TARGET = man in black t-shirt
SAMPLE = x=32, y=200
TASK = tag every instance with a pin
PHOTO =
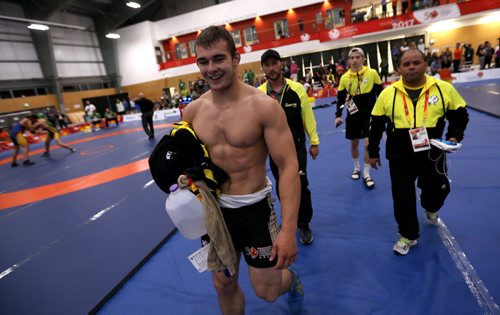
x=147, y=110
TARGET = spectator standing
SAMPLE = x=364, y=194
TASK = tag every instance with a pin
x=394, y=4
x=468, y=55
x=488, y=54
x=421, y=45
x=457, y=57
x=384, y=69
x=90, y=110
x=497, y=54
x=404, y=6
x=120, y=108
x=294, y=71
x=396, y=52
x=480, y=56
x=251, y=77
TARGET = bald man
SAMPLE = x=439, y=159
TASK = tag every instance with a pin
x=147, y=110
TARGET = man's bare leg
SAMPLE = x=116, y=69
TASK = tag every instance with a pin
x=231, y=298
x=269, y=283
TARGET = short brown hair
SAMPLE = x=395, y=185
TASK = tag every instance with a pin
x=212, y=34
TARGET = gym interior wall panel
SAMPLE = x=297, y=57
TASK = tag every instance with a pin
x=17, y=104
x=25, y=51
x=73, y=37
x=69, y=70
x=14, y=37
x=20, y=71
x=10, y=71
x=76, y=53
x=73, y=100
x=17, y=51
x=30, y=70
x=8, y=52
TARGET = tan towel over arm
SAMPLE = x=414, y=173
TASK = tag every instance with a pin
x=221, y=253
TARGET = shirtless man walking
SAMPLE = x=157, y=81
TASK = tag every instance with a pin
x=240, y=126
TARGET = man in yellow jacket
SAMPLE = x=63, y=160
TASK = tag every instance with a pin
x=293, y=98
x=413, y=111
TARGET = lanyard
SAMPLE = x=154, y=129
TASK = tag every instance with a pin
x=273, y=95
x=358, y=88
x=407, y=111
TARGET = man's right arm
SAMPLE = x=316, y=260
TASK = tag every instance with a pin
x=281, y=147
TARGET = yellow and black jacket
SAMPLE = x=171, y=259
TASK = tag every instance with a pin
x=362, y=86
x=298, y=110
x=443, y=103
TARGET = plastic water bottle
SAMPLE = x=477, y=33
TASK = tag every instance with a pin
x=186, y=212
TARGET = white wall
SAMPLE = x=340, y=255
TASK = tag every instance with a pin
x=136, y=54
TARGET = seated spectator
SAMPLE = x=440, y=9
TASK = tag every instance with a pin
x=109, y=115
x=96, y=121
x=61, y=119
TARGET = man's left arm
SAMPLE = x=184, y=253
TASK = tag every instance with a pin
x=377, y=83
x=309, y=122
x=457, y=116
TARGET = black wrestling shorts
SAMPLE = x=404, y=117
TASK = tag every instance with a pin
x=357, y=126
x=253, y=229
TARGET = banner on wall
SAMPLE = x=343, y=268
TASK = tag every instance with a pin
x=399, y=22
x=158, y=115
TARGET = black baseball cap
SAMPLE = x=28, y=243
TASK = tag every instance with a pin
x=270, y=53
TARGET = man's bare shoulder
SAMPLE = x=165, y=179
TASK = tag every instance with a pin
x=261, y=100
x=190, y=111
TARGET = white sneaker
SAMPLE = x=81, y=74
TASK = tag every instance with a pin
x=432, y=218
x=402, y=246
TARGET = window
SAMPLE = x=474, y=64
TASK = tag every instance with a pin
x=70, y=88
x=319, y=19
x=191, y=48
x=25, y=92
x=41, y=91
x=181, y=51
x=250, y=34
x=334, y=17
x=281, y=29
x=237, y=38
x=5, y=94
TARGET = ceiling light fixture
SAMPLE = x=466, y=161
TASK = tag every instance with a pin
x=133, y=5
x=113, y=35
x=39, y=27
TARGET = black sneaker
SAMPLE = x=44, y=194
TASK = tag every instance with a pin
x=46, y=154
x=14, y=164
x=28, y=162
x=305, y=235
x=73, y=150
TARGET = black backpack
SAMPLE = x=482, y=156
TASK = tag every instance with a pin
x=181, y=152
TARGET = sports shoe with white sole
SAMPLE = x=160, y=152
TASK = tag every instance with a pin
x=295, y=297
x=432, y=218
x=402, y=246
